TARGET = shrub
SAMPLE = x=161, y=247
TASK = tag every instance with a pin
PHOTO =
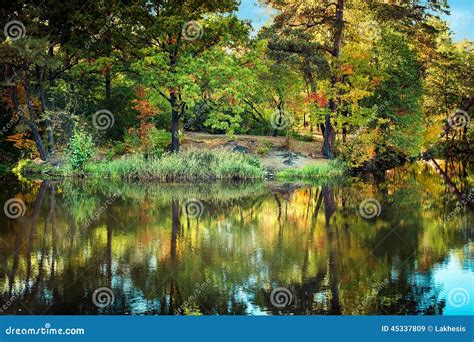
x=80, y=150
x=117, y=149
x=131, y=140
x=157, y=142
x=326, y=171
x=302, y=137
x=359, y=149
x=264, y=147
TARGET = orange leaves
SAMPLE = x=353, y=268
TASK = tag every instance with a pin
x=376, y=81
x=316, y=98
x=347, y=69
x=21, y=141
x=146, y=111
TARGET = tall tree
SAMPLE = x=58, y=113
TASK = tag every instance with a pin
x=326, y=21
x=178, y=32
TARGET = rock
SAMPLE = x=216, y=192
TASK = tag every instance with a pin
x=38, y=161
x=240, y=149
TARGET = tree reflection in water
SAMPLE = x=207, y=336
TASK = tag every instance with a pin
x=248, y=240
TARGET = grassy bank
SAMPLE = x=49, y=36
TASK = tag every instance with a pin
x=194, y=165
x=323, y=171
x=186, y=166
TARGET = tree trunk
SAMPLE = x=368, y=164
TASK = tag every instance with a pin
x=108, y=84
x=31, y=122
x=280, y=119
x=329, y=135
x=329, y=132
x=173, y=99
x=174, y=123
x=49, y=127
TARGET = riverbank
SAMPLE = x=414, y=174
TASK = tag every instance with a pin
x=203, y=157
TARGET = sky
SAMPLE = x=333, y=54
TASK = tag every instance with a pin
x=461, y=19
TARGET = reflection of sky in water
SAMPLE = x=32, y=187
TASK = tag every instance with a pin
x=449, y=276
x=449, y=280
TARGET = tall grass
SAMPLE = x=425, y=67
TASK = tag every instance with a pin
x=185, y=166
x=326, y=171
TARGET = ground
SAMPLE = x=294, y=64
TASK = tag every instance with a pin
x=273, y=151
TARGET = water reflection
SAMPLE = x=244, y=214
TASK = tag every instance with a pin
x=159, y=257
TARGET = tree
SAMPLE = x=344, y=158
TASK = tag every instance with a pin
x=326, y=22
x=178, y=33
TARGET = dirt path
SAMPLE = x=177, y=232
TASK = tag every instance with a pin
x=273, y=152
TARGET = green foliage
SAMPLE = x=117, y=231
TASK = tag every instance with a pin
x=131, y=140
x=302, y=137
x=116, y=150
x=157, y=142
x=263, y=147
x=360, y=149
x=390, y=87
x=399, y=96
x=80, y=149
x=324, y=171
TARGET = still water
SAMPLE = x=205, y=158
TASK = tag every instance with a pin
x=400, y=245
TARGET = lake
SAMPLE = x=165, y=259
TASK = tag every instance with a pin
x=401, y=245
